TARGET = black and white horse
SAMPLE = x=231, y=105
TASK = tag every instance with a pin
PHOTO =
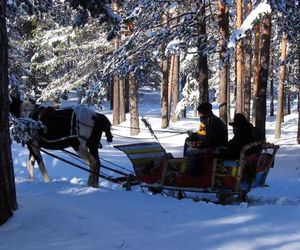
x=78, y=127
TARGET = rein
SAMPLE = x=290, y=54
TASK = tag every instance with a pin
x=127, y=180
x=146, y=129
x=80, y=167
x=139, y=138
x=75, y=156
x=58, y=140
x=151, y=130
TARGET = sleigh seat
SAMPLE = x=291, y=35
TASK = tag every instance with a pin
x=158, y=171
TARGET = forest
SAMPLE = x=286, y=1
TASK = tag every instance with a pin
x=241, y=54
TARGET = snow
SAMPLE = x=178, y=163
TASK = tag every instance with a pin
x=173, y=46
x=66, y=214
x=262, y=9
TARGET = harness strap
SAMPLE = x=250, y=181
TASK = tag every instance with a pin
x=73, y=123
x=58, y=140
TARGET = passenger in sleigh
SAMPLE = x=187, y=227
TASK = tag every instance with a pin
x=244, y=133
x=212, y=133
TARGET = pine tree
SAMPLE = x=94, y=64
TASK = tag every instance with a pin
x=223, y=16
x=164, y=93
x=175, y=86
x=279, y=112
x=256, y=70
x=272, y=82
x=298, y=133
x=239, y=105
x=8, y=200
x=117, y=86
x=247, y=68
x=133, y=100
x=202, y=56
x=260, y=120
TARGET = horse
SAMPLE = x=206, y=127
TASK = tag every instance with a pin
x=78, y=127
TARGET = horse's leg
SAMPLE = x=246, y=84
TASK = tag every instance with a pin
x=93, y=145
x=30, y=166
x=83, y=153
x=94, y=165
x=36, y=153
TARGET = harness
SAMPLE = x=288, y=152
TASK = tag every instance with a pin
x=78, y=129
x=83, y=129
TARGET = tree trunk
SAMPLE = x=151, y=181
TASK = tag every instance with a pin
x=239, y=105
x=183, y=79
x=164, y=93
x=122, y=100
x=111, y=94
x=261, y=111
x=170, y=85
x=126, y=94
x=284, y=112
x=256, y=70
x=202, y=61
x=228, y=93
x=287, y=107
x=298, y=134
x=116, y=102
x=247, y=73
x=280, y=87
x=175, y=84
x=133, y=100
x=288, y=100
x=223, y=19
x=116, y=85
x=272, y=83
x=7, y=181
x=164, y=84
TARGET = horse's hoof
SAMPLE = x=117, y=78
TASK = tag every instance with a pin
x=46, y=179
x=93, y=185
x=31, y=179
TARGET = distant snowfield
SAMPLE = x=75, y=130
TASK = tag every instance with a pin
x=66, y=214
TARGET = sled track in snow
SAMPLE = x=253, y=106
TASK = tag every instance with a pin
x=282, y=201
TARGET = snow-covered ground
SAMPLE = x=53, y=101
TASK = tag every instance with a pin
x=66, y=214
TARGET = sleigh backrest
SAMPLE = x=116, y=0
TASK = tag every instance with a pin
x=250, y=171
x=256, y=159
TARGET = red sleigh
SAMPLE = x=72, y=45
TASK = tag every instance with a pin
x=158, y=171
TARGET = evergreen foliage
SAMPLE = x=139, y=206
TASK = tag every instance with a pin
x=58, y=46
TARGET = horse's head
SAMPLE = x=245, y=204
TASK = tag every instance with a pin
x=104, y=125
x=109, y=136
x=15, y=103
x=18, y=107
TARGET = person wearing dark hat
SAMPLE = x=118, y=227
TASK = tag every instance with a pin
x=212, y=131
x=244, y=133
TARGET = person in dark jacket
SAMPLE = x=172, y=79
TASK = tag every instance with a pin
x=244, y=133
x=212, y=131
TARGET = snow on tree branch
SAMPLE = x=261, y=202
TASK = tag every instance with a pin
x=23, y=130
x=262, y=9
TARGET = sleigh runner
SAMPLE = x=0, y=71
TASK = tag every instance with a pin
x=159, y=171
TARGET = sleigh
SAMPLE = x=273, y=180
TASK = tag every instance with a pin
x=205, y=173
